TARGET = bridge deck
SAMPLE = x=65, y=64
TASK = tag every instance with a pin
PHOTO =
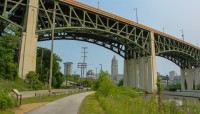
x=101, y=12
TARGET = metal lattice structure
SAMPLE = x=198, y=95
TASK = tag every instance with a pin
x=76, y=21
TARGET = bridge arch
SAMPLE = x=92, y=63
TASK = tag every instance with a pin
x=94, y=35
x=115, y=47
x=180, y=58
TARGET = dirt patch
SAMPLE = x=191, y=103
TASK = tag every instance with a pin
x=27, y=107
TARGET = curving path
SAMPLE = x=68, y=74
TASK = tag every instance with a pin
x=67, y=105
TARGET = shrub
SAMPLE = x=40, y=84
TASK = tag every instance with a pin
x=6, y=101
x=32, y=80
x=105, y=85
x=174, y=87
x=120, y=82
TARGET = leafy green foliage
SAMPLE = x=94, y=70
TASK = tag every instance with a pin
x=120, y=82
x=73, y=78
x=8, y=85
x=159, y=88
x=124, y=100
x=9, y=46
x=43, y=67
x=87, y=83
x=58, y=80
x=174, y=87
x=5, y=101
x=32, y=80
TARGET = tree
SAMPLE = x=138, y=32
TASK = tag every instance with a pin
x=87, y=83
x=43, y=67
x=159, y=88
x=120, y=82
x=9, y=52
x=58, y=79
x=32, y=80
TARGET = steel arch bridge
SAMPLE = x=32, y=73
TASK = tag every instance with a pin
x=77, y=21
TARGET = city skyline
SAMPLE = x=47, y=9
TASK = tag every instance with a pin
x=155, y=17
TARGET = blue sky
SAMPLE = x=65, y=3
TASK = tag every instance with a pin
x=172, y=15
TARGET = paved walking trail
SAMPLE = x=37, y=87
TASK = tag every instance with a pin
x=67, y=105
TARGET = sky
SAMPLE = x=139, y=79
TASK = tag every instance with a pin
x=172, y=15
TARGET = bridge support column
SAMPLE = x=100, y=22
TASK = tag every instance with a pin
x=152, y=70
x=132, y=75
x=29, y=41
x=141, y=73
x=137, y=76
x=125, y=78
x=189, y=79
x=145, y=74
x=183, y=79
x=197, y=77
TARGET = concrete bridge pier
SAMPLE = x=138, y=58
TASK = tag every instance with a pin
x=183, y=79
x=29, y=40
x=189, y=79
x=197, y=77
x=140, y=74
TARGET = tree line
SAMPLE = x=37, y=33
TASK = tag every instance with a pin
x=10, y=41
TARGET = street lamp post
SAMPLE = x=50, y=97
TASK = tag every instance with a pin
x=182, y=34
x=96, y=73
x=52, y=46
x=136, y=14
x=98, y=4
x=101, y=67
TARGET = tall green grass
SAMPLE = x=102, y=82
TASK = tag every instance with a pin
x=124, y=100
x=8, y=85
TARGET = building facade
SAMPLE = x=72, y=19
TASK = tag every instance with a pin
x=114, y=69
x=68, y=68
x=172, y=75
x=90, y=74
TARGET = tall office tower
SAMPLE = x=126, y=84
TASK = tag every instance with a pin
x=68, y=68
x=114, y=69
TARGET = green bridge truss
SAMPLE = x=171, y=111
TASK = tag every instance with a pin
x=74, y=22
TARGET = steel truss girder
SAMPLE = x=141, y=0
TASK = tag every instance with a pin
x=177, y=51
x=12, y=11
x=68, y=17
x=115, y=47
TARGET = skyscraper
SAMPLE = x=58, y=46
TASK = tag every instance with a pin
x=114, y=69
x=68, y=68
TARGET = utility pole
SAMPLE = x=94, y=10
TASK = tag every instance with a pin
x=136, y=14
x=101, y=67
x=41, y=58
x=84, y=57
x=52, y=46
x=81, y=66
x=96, y=73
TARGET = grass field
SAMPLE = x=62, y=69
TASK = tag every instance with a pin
x=7, y=112
x=90, y=105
